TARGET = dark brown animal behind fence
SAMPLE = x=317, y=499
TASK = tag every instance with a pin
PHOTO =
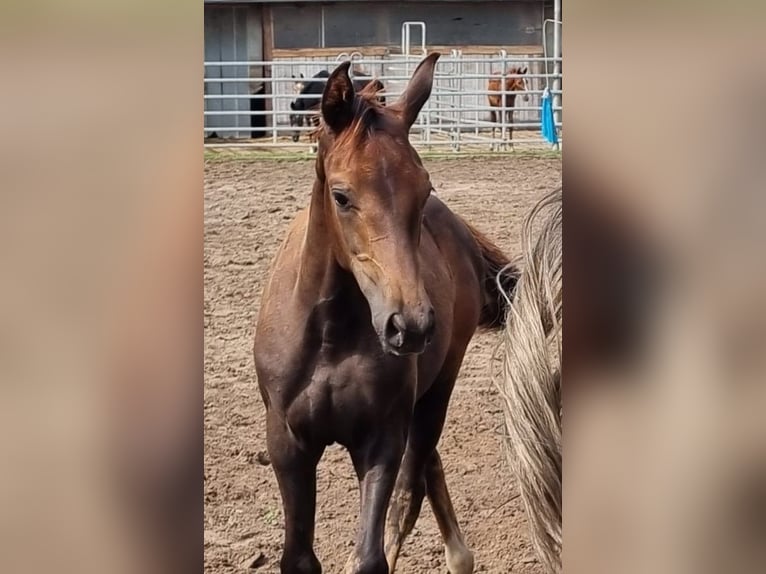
x=531, y=379
x=309, y=95
x=373, y=299
x=514, y=81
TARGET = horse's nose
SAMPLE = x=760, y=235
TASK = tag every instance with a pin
x=406, y=335
x=296, y=137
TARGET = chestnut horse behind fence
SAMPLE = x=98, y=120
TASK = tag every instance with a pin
x=514, y=82
x=373, y=298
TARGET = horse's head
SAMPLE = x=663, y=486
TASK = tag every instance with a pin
x=519, y=82
x=296, y=120
x=375, y=190
x=299, y=84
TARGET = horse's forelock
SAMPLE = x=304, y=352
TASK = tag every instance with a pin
x=368, y=115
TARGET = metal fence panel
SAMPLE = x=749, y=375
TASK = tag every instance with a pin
x=457, y=114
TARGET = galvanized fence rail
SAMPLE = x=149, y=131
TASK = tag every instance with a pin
x=247, y=104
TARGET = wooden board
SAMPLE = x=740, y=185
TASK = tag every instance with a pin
x=488, y=50
x=323, y=52
x=369, y=51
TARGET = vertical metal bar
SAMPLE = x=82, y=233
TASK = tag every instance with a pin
x=267, y=49
x=407, y=39
x=459, y=97
x=428, y=123
x=274, y=110
x=321, y=31
x=504, y=68
x=557, y=60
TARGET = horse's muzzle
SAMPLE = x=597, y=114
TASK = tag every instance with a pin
x=296, y=137
x=408, y=336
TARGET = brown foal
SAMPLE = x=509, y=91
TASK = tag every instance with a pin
x=374, y=296
x=514, y=82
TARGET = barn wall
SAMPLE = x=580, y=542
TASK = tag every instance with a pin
x=232, y=33
x=357, y=24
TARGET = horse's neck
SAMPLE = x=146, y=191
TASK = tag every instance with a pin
x=318, y=267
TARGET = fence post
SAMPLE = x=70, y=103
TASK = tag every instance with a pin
x=557, y=62
x=459, y=96
x=503, y=108
x=274, y=127
x=428, y=112
x=267, y=49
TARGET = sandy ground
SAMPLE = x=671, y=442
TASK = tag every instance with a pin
x=248, y=205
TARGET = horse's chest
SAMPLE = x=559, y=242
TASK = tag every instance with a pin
x=343, y=394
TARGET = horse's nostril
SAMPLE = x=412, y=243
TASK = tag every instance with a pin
x=395, y=329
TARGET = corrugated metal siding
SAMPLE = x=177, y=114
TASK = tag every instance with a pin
x=232, y=33
x=379, y=24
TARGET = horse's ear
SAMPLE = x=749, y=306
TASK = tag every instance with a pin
x=418, y=90
x=523, y=70
x=338, y=99
x=301, y=74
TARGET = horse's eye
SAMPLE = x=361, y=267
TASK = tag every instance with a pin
x=341, y=199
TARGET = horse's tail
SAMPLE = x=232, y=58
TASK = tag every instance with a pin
x=500, y=277
x=531, y=381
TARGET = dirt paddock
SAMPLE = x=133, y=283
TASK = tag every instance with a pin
x=248, y=206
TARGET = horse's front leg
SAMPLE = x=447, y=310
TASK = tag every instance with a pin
x=295, y=466
x=377, y=465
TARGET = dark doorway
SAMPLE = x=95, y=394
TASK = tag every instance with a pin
x=258, y=105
